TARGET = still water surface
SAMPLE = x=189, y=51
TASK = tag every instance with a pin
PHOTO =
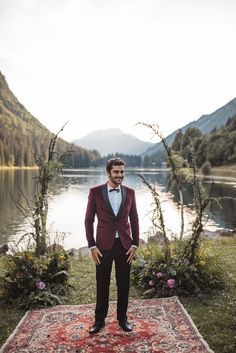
x=68, y=199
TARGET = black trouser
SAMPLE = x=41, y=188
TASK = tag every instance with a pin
x=103, y=275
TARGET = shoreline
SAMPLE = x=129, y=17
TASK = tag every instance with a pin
x=218, y=177
x=206, y=235
x=228, y=169
x=16, y=167
x=85, y=251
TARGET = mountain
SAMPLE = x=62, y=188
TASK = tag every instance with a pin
x=206, y=123
x=113, y=140
x=23, y=138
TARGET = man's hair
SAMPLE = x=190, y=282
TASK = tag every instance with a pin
x=112, y=162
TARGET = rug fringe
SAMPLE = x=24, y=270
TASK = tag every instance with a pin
x=193, y=325
x=2, y=349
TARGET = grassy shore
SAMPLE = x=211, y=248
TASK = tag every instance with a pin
x=224, y=171
x=214, y=315
x=2, y=167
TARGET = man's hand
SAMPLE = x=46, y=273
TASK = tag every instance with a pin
x=131, y=252
x=96, y=254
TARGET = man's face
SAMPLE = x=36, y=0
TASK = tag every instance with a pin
x=116, y=175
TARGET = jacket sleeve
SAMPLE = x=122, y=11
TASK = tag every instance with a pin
x=89, y=219
x=134, y=221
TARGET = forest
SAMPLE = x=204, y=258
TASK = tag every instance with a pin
x=20, y=147
x=217, y=148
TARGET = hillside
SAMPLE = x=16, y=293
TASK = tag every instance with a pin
x=113, y=140
x=217, y=148
x=206, y=123
x=23, y=138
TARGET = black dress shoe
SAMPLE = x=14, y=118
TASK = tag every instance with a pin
x=97, y=327
x=125, y=325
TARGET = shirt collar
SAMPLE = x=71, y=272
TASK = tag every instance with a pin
x=110, y=187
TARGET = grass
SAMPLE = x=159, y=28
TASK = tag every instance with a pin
x=213, y=314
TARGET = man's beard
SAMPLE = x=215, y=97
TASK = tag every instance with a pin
x=116, y=181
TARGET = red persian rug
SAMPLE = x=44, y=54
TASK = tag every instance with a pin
x=159, y=326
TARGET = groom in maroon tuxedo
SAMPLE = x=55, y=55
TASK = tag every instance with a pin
x=117, y=238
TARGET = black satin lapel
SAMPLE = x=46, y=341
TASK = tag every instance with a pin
x=105, y=196
x=123, y=194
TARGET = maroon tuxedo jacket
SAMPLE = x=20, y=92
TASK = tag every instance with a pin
x=126, y=221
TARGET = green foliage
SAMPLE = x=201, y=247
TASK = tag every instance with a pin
x=218, y=147
x=30, y=280
x=39, y=276
x=206, y=168
x=189, y=137
x=184, y=270
x=157, y=218
x=156, y=278
x=177, y=144
x=154, y=160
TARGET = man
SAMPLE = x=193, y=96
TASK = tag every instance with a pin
x=115, y=208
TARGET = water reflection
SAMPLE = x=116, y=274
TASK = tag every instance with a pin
x=223, y=210
x=68, y=199
x=11, y=183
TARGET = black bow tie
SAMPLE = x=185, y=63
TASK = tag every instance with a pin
x=117, y=190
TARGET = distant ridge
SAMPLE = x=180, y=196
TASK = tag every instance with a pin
x=113, y=140
x=206, y=123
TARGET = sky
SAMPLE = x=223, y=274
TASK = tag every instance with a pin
x=112, y=63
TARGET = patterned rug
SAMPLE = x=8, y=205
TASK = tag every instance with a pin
x=159, y=326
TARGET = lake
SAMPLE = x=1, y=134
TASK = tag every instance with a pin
x=68, y=199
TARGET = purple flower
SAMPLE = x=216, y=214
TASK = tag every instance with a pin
x=151, y=283
x=40, y=285
x=159, y=274
x=171, y=283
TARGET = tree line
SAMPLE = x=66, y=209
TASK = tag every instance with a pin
x=131, y=160
x=217, y=148
x=21, y=147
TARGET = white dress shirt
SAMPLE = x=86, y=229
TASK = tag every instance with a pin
x=115, y=199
